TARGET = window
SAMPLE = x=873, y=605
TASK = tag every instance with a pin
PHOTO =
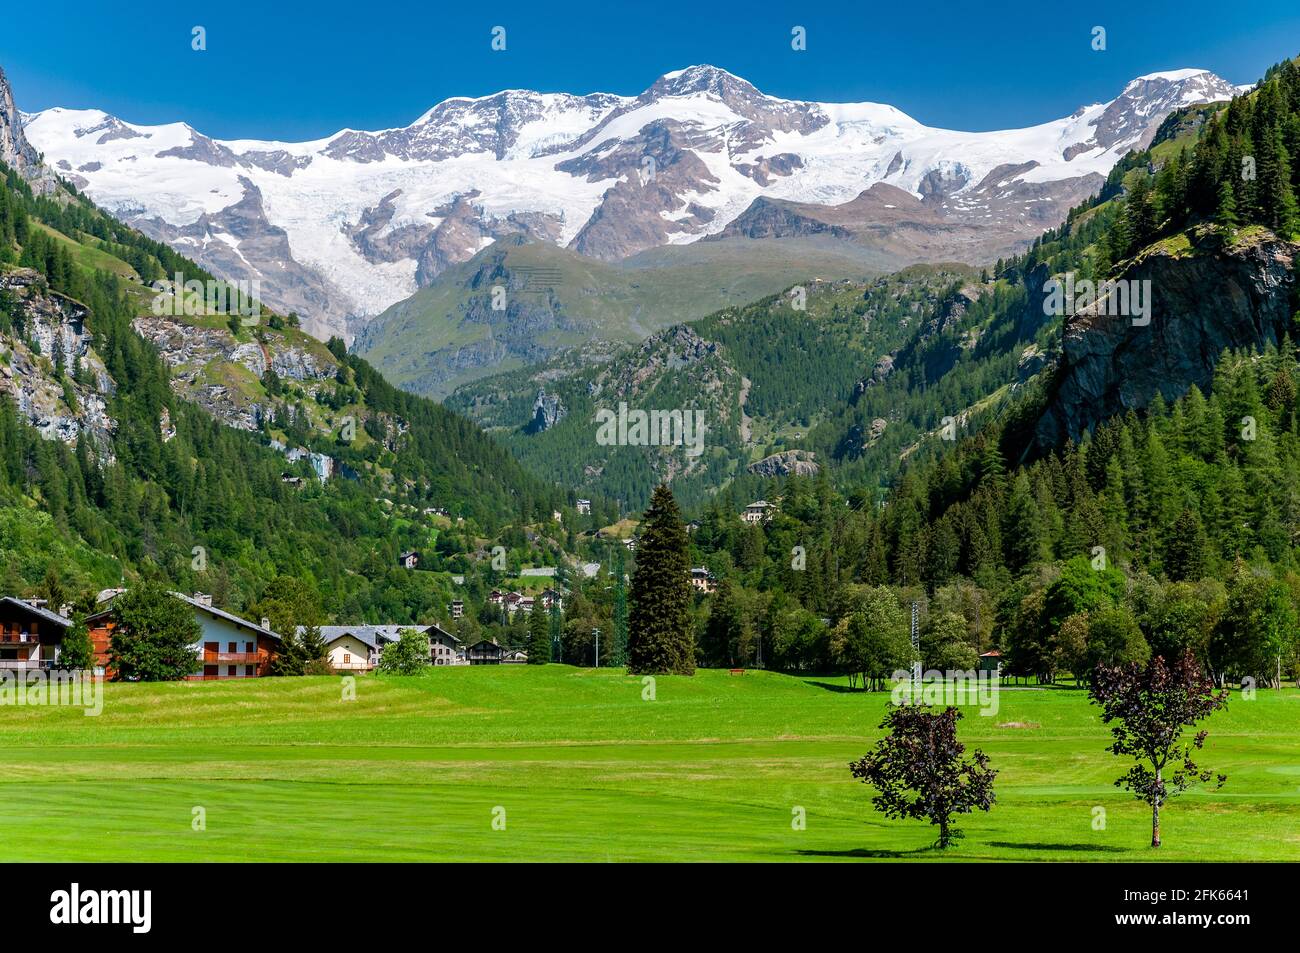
x=347, y=658
x=232, y=647
x=248, y=671
x=250, y=648
x=230, y=670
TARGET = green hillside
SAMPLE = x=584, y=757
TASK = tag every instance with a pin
x=448, y=333
x=173, y=475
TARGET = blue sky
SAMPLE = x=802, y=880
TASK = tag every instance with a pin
x=269, y=72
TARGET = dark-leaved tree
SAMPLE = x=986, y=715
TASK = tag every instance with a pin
x=659, y=624
x=919, y=771
x=1147, y=707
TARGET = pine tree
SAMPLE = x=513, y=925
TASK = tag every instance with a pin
x=660, y=639
x=1185, y=554
x=539, y=637
x=1225, y=216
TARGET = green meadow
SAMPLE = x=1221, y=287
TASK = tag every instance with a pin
x=562, y=764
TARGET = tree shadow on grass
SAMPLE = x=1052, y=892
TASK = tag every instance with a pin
x=1084, y=848
x=831, y=687
x=863, y=852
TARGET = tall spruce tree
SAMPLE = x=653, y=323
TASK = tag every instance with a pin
x=539, y=636
x=660, y=640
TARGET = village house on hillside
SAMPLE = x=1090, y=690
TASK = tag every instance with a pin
x=31, y=636
x=484, y=652
x=760, y=511
x=228, y=646
x=513, y=601
x=358, y=648
x=702, y=579
x=409, y=559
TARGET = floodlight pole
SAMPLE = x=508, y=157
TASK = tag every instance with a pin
x=916, y=651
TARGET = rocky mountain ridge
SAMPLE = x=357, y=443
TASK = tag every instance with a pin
x=340, y=228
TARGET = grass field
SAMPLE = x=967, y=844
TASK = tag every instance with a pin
x=585, y=769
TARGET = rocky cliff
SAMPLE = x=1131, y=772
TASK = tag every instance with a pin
x=15, y=151
x=1205, y=296
x=48, y=365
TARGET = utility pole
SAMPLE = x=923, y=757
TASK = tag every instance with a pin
x=595, y=634
x=916, y=652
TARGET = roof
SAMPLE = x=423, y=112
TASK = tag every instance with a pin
x=375, y=635
x=202, y=606
x=228, y=616
x=993, y=654
x=37, y=611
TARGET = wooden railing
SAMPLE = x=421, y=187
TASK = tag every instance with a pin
x=234, y=658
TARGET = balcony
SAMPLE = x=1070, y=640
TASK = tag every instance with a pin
x=23, y=664
x=19, y=638
x=231, y=658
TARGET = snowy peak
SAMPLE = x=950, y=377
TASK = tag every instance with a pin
x=340, y=228
x=700, y=79
x=1133, y=117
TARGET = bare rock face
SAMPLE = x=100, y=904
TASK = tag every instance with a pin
x=547, y=412
x=51, y=333
x=1204, y=299
x=191, y=353
x=799, y=462
x=15, y=151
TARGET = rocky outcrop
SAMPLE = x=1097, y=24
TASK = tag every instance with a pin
x=49, y=368
x=209, y=367
x=547, y=412
x=799, y=462
x=15, y=151
x=1204, y=298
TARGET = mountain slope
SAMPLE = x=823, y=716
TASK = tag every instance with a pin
x=761, y=376
x=340, y=228
x=552, y=298
x=209, y=452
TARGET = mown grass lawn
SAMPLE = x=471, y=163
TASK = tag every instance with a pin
x=584, y=768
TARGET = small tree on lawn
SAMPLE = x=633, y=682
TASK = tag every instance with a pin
x=1147, y=707
x=154, y=635
x=407, y=656
x=918, y=770
x=539, y=636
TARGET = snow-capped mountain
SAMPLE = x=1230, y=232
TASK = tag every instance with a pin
x=340, y=228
